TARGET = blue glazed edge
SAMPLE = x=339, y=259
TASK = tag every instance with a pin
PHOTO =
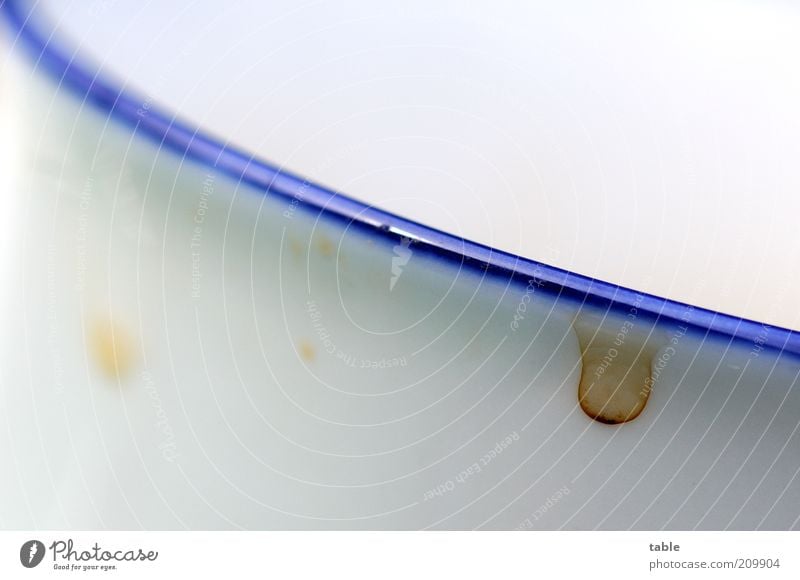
x=192, y=143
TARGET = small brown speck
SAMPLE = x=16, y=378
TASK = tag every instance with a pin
x=111, y=347
x=296, y=248
x=306, y=351
x=325, y=247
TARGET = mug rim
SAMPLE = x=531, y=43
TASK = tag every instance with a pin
x=83, y=80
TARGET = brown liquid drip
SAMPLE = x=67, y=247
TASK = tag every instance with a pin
x=614, y=392
x=616, y=375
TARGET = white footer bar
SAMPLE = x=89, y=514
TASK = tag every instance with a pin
x=390, y=555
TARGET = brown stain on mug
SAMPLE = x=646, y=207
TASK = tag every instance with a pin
x=306, y=351
x=111, y=347
x=325, y=246
x=617, y=391
x=616, y=375
x=296, y=248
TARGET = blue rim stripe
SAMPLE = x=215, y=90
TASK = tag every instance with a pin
x=186, y=140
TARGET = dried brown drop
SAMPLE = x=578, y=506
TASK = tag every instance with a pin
x=112, y=348
x=306, y=351
x=325, y=246
x=296, y=248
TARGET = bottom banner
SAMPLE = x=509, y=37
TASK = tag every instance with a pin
x=355, y=555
